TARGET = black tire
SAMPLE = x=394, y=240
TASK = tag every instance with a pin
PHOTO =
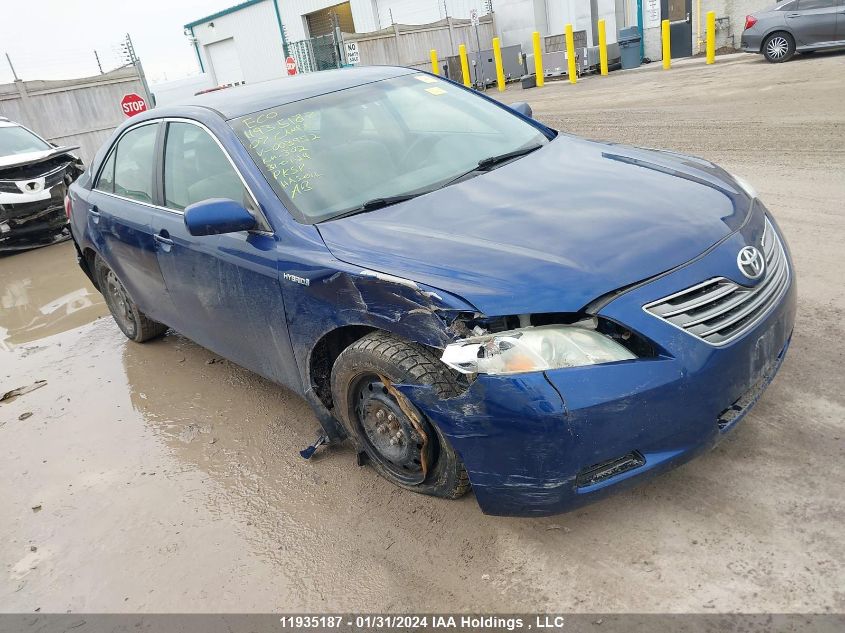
x=136, y=325
x=381, y=355
x=779, y=47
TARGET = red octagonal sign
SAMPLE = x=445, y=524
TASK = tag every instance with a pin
x=132, y=104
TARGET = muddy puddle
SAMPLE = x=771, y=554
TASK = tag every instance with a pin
x=42, y=293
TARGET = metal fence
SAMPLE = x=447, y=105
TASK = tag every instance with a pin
x=79, y=112
x=316, y=53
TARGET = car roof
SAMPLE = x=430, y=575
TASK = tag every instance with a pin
x=242, y=100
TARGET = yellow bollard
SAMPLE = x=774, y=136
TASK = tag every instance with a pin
x=602, y=47
x=500, y=72
x=570, y=55
x=667, y=50
x=435, y=65
x=462, y=51
x=711, y=37
x=538, y=60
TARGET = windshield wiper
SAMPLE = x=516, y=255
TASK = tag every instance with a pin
x=486, y=164
x=493, y=161
x=378, y=203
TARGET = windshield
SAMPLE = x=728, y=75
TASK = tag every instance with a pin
x=17, y=140
x=333, y=153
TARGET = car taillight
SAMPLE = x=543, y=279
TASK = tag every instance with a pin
x=750, y=21
x=67, y=207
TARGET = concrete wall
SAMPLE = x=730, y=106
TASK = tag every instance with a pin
x=80, y=112
x=736, y=10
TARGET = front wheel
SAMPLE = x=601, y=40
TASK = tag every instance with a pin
x=401, y=444
x=136, y=325
x=778, y=47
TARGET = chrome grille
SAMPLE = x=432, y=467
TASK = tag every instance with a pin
x=720, y=310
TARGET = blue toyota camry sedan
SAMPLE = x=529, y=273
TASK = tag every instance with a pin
x=471, y=298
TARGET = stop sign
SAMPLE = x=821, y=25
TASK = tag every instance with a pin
x=132, y=104
x=290, y=63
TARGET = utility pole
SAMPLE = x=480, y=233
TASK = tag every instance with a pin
x=14, y=74
x=131, y=58
x=99, y=65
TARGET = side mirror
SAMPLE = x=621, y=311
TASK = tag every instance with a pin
x=216, y=216
x=523, y=108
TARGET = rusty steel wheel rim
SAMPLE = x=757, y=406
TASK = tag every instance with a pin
x=389, y=436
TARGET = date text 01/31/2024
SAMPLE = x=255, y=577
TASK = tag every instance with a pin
x=404, y=622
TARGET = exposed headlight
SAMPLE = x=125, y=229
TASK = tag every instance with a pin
x=746, y=186
x=533, y=349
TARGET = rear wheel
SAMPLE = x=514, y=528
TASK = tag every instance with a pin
x=779, y=47
x=402, y=445
x=136, y=325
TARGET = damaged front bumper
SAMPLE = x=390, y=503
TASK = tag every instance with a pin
x=32, y=210
x=547, y=442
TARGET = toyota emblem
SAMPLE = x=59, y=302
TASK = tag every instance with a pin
x=751, y=262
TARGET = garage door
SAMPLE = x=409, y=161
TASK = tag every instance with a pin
x=224, y=62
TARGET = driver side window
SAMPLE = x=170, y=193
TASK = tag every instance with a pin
x=196, y=169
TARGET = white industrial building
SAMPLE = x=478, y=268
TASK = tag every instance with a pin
x=249, y=41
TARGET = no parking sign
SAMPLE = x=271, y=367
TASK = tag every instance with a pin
x=352, y=55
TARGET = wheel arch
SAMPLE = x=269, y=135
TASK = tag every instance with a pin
x=780, y=28
x=89, y=259
x=325, y=352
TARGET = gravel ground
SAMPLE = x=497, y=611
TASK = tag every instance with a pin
x=159, y=478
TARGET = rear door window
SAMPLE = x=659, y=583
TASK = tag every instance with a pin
x=134, y=164
x=106, y=179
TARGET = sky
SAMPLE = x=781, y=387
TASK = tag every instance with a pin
x=56, y=39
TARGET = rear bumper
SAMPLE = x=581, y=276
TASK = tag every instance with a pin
x=750, y=43
x=544, y=443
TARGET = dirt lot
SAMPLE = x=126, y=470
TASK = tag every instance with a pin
x=159, y=478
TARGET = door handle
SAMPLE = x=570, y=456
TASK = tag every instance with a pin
x=793, y=15
x=95, y=214
x=163, y=238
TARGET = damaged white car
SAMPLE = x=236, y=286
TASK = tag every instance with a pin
x=34, y=177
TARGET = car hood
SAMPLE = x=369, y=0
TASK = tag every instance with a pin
x=16, y=160
x=552, y=231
